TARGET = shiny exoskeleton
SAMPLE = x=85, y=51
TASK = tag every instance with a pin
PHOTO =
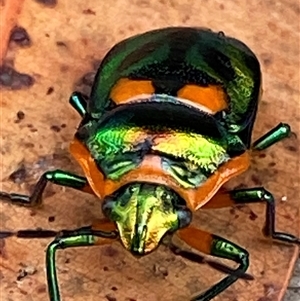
x=168, y=123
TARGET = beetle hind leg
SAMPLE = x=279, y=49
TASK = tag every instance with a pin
x=226, y=198
x=216, y=246
x=58, y=177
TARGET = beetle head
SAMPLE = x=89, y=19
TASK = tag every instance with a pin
x=144, y=213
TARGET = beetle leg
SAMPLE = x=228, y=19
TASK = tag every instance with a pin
x=78, y=102
x=100, y=233
x=226, y=198
x=58, y=177
x=278, y=133
x=82, y=237
x=216, y=246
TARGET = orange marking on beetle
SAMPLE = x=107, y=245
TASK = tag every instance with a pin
x=103, y=224
x=211, y=97
x=87, y=163
x=88, y=189
x=221, y=199
x=125, y=89
x=227, y=171
x=196, y=238
x=150, y=171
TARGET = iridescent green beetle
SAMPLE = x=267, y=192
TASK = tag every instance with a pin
x=168, y=122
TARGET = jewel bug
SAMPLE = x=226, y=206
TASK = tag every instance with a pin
x=168, y=123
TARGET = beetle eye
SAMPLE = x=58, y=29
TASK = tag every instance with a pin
x=108, y=205
x=184, y=217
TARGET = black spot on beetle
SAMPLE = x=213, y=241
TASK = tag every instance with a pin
x=50, y=91
x=50, y=3
x=14, y=80
x=19, y=175
x=20, y=36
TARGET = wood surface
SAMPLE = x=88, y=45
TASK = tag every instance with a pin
x=66, y=41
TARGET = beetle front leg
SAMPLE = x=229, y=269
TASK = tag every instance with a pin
x=226, y=198
x=58, y=177
x=82, y=237
x=99, y=233
x=216, y=246
x=78, y=102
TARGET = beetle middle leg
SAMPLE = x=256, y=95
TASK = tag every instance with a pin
x=58, y=177
x=278, y=133
x=214, y=245
x=226, y=198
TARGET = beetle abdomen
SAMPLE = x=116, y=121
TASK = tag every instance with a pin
x=207, y=68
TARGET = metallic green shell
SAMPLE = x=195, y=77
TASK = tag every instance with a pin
x=192, y=145
x=176, y=56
